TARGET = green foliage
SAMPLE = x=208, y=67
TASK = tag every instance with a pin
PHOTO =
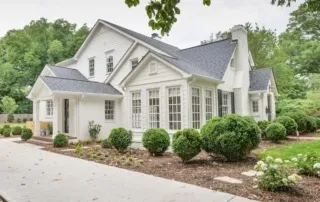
x=263, y=126
x=79, y=148
x=311, y=125
x=17, y=130
x=94, y=130
x=61, y=140
x=1, y=130
x=309, y=106
x=120, y=138
x=300, y=118
x=50, y=127
x=26, y=134
x=274, y=175
x=18, y=120
x=232, y=136
x=156, y=141
x=106, y=144
x=8, y=105
x=186, y=144
x=317, y=119
x=289, y=123
x=6, y=126
x=10, y=118
x=307, y=164
x=7, y=132
x=276, y=131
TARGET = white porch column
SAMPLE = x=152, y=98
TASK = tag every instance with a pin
x=36, y=120
x=55, y=120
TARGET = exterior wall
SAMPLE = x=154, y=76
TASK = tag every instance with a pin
x=103, y=41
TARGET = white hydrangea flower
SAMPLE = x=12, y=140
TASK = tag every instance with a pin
x=259, y=174
x=286, y=161
x=264, y=167
x=269, y=159
x=294, y=159
x=294, y=178
x=278, y=160
x=316, y=166
x=285, y=181
x=300, y=155
x=274, y=166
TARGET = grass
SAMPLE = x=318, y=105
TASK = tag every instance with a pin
x=13, y=124
x=289, y=151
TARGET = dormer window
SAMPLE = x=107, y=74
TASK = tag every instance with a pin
x=232, y=63
x=109, y=63
x=134, y=62
x=153, y=68
x=91, y=67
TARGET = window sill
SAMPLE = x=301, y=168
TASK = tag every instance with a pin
x=110, y=121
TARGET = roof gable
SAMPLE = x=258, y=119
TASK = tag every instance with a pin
x=259, y=79
x=67, y=73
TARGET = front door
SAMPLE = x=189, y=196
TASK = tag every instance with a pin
x=66, y=115
x=269, y=108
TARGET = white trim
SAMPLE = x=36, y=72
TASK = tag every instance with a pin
x=156, y=68
x=257, y=91
x=84, y=93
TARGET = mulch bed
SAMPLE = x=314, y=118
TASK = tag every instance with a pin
x=201, y=171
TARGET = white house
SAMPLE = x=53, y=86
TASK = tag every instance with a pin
x=120, y=78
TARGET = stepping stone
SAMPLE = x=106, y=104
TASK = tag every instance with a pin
x=250, y=173
x=229, y=180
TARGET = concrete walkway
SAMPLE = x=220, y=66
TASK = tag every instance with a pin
x=28, y=173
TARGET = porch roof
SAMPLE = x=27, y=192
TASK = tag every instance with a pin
x=79, y=86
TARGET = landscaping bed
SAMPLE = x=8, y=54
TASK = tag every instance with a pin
x=200, y=171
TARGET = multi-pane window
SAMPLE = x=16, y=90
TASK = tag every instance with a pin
x=174, y=101
x=49, y=107
x=225, y=109
x=255, y=106
x=154, y=109
x=109, y=109
x=209, y=104
x=134, y=63
x=91, y=67
x=109, y=64
x=136, y=110
x=196, y=108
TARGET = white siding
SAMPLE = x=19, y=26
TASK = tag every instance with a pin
x=103, y=41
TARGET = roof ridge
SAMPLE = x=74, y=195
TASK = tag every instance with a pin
x=205, y=44
x=63, y=67
x=55, y=77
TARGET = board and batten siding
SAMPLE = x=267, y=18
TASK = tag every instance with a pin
x=104, y=41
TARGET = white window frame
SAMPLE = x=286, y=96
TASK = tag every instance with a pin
x=196, y=107
x=91, y=67
x=154, y=108
x=109, y=110
x=136, y=112
x=175, y=115
x=49, y=107
x=208, y=104
x=153, y=70
x=134, y=60
x=255, y=109
x=225, y=103
x=109, y=63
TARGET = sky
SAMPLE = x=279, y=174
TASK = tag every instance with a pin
x=195, y=23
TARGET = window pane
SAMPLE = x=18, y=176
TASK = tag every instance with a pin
x=136, y=110
x=174, y=99
x=109, y=109
x=196, y=108
x=154, y=109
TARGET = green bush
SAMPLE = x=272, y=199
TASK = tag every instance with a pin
x=1, y=131
x=26, y=134
x=318, y=122
x=232, y=136
x=50, y=127
x=106, y=144
x=276, y=131
x=289, y=123
x=10, y=118
x=300, y=118
x=16, y=130
x=94, y=130
x=186, y=144
x=18, y=120
x=6, y=126
x=120, y=138
x=263, y=126
x=311, y=124
x=156, y=141
x=307, y=164
x=24, y=120
x=7, y=132
x=61, y=140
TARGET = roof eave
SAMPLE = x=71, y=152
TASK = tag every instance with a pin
x=57, y=92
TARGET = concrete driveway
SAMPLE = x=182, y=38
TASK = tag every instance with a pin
x=28, y=173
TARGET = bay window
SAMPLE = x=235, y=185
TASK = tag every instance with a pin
x=174, y=104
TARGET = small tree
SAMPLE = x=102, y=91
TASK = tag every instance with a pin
x=8, y=105
x=94, y=130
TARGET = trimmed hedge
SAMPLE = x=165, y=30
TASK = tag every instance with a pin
x=232, y=136
x=300, y=118
x=263, y=126
x=186, y=144
x=289, y=123
x=156, y=141
x=276, y=131
x=120, y=138
x=311, y=124
x=17, y=130
x=7, y=132
x=318, y=122
x=26, y=134
x=61, y=140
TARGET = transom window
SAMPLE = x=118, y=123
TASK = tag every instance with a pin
x=225, y=109
x=154, y=109
x=109, y=63
x=196, y=108
x=209, y=104
x=91, y=67
x=136, y=110
x=255, y=106
x=134, y=63
x=49, y=106
x=174, y=100
x=109, y=109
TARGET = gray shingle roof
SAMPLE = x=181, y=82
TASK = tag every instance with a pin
x=67, y=73
x=259, y=79
x=72, y=85
x=167, y=48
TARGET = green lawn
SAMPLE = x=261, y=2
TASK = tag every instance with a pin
x=292, y=150
x=12, y=124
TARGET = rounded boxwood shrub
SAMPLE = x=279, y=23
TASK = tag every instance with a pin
x=6, y=126
x=1, y=130
x=289, y=123
x=186, y=144
x=26, y=134
x=232, y=136
x=318, y=122
x=10, y=118
x=300, y=118
x=120, y=138
x=156, y=141
x=276, y=131
x=61, y=140
x=17, y=130
x=106, y=143
x=7, y=132
x=311, y=124
x=263, y=125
